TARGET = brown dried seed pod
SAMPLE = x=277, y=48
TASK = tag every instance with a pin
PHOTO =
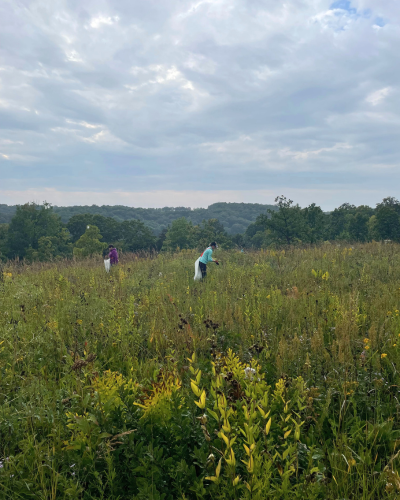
x=78, y=365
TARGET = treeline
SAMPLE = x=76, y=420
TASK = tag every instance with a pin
x=38, y=232
x=235, y=217
x=291, y=224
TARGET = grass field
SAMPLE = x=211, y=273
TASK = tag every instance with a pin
x=277, y=378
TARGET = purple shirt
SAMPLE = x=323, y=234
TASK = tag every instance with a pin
x=113, y=256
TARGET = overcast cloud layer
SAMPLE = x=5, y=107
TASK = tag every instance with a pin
x=179, y=102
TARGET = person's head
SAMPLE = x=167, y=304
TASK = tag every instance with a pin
x=110, y=247
x=213, y=245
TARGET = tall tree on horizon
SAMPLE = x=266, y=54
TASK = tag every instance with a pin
x=287, y=224
x=32, y=222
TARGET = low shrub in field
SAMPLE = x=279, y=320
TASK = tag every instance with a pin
x=277, y=378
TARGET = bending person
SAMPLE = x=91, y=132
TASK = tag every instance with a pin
x=206, y=257
x=113, y=254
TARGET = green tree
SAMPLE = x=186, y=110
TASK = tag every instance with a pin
x=388, y=223
x=287, y=224
x=358, y=227
x=109, y=227
x=262, y=239
x=161, y=238
x=46, y=248
x=89, y=243
x=389, y=202
x=211, y=230
x=255, y=235
x=373, y=233
x=3, y=241
x=238, y=240
x=179, y=235
x=31, y=223
x=253, y=229
x=315, y=222
x=338, y=221
x=136, y=236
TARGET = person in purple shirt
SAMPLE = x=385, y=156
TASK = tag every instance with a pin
x=113, y=254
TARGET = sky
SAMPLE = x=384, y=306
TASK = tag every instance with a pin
x=186, y=103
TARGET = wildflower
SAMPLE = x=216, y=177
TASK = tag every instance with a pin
x=394, y=345
x=79, y=321
x=366, y=341
x=367, y=347
x=383, y=355
x=249, y=372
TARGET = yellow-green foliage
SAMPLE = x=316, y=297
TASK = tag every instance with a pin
x=276, y=378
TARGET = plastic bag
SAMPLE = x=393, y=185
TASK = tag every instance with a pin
x=197, y=270
x=107, y=264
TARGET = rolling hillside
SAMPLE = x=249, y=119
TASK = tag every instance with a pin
x=234, y=216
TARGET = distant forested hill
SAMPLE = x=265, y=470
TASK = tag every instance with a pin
x=6, y=213
x=235, y=217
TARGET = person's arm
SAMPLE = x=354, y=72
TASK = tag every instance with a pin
x=209, y=256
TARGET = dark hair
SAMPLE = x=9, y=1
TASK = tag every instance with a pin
x=213, y=244
x=110, y=246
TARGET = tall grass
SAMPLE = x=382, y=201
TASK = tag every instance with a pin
x=275, y=378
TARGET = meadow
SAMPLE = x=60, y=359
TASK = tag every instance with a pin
x=276, y=378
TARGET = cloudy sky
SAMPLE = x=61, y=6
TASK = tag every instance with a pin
x=181, y=102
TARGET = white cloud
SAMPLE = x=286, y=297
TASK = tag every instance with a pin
x=305, y=155
x=379, y=95
x=333, y=19
x=100, y=20
x=159, y=74
x=15, y=157
x=213, y=5
x=200, y=64
x=104, y=137
x=83, y=124
x=9, y=142
x=244, y=149
x=247, y=93
x=73, y=56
